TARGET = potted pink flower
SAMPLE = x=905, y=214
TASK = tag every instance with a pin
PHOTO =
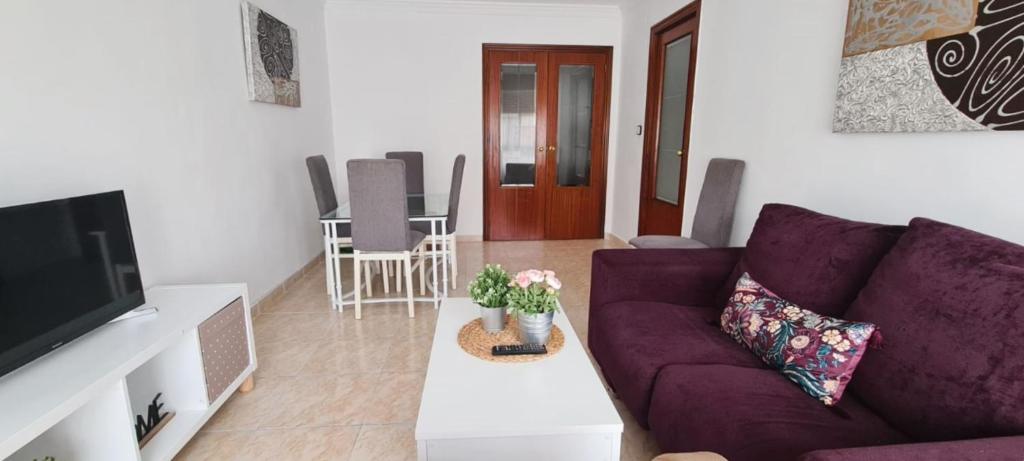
x=533, y=299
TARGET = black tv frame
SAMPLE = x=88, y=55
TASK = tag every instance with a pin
x=52, y=340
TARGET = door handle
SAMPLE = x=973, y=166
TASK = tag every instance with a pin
x=679, y=153
x=540, y=149
x=551, y=148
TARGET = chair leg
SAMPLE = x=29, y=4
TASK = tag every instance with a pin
x=408, y=280
x=369, y=278
x=357, y=279
x=398, y=278
x=385, y=267
x=336, y=273
x=455, y=260
x=423, y=265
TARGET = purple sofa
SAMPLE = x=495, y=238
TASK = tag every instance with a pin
x=947, y=384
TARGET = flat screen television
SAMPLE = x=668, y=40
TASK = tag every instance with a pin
x=66, y=267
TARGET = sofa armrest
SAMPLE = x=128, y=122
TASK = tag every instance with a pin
x=685, y=277
x=989, y=449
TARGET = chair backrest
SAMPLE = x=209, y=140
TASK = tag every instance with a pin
x=456, y=192
x=413, y=169
x=323, y=186
x=712, y=224
x=380, y=211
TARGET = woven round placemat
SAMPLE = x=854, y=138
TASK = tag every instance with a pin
x=478, y=342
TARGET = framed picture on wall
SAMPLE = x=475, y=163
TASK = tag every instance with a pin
x=932, y=65
x=271, y=58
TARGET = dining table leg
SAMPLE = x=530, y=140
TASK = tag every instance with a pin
x=433, y=260
x=339, y=287
x=327, y=264
x=329, y=256
x=444, y=255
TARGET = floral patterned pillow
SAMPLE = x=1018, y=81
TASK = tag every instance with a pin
x=818, y=353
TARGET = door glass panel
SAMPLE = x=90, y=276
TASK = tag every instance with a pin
x=518, y=124
x=575, y=110
x=673, y=114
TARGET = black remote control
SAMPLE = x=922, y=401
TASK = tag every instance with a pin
x=519, y=349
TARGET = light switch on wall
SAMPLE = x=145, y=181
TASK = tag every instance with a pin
x=639, y=130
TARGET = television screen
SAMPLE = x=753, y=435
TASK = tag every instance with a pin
x=66, y=267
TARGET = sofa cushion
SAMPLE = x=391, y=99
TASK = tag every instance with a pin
x=817, y=352
x=951, y=305
x=639, y=338
x=749, y=414
x=819, y=262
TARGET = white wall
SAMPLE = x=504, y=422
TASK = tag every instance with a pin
x=150, y=97
x=766, y=79
x=637, y=19
x=407, y=75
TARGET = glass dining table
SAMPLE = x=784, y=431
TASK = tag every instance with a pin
x=432, y=208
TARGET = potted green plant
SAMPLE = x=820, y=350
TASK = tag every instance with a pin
x=533, y=299
x=489, y=290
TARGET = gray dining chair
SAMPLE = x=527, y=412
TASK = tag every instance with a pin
x=413, y=169
x=716, y=207
x=323, y=190
x=414, y=184
x=380, y=222
x=454, y=195
x=327, y=201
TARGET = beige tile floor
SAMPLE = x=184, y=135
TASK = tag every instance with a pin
x=330, y=387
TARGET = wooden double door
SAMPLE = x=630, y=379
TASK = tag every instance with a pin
x=545, y=141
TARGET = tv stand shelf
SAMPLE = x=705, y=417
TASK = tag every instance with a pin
x=80, y=401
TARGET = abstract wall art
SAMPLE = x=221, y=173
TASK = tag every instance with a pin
x=932, y=65
x=271, y=57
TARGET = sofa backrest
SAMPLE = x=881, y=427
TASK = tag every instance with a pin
x=949, y=303
x=817, y=261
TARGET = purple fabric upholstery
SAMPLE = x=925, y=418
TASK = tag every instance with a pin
x=816, y=261
x=993, y=449
x=637, y=296
x=684, y=277
x=949, y=303
x=750, y=414
x=947, y=300
x=640, y=338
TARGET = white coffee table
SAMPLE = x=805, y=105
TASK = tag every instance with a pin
x=553, y=409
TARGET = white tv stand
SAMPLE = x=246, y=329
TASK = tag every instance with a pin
x=80, y=401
